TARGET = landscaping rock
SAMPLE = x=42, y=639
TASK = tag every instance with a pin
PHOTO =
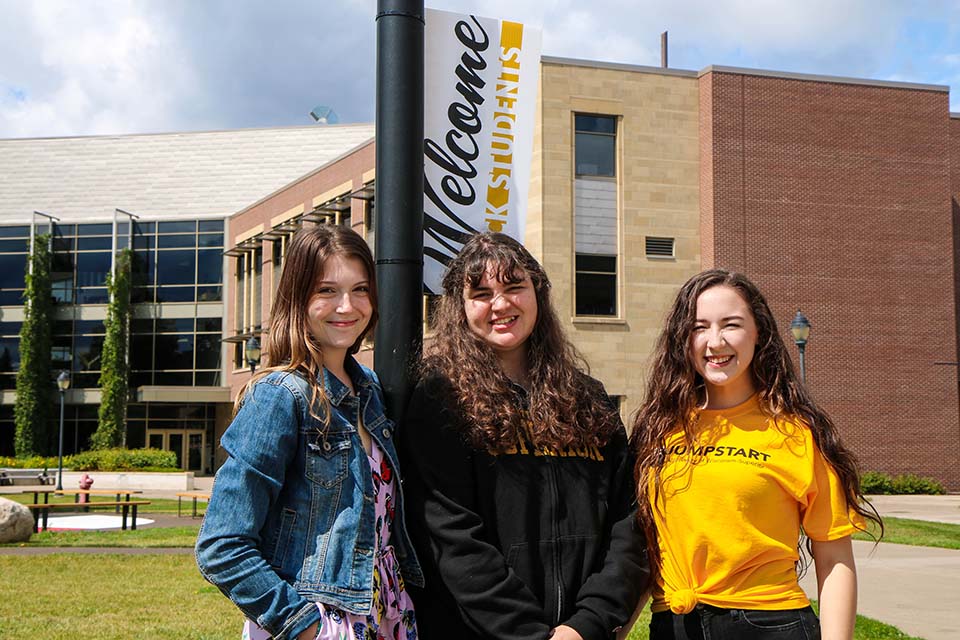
x=16, y=522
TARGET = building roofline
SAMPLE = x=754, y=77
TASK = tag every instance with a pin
x=618, y=66
x=811, y=77
x=340, y=157
x=181, y=133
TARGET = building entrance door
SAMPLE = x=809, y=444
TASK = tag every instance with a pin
x=188, y=445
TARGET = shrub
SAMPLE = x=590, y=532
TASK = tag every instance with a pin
x=874, y=482
x=911, y=484
x=32, y=462
x=123, y=460
x=112, y=414
x=34, y=382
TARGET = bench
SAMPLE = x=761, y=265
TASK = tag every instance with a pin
x=41, y=511
x=194, y=495
x=25, y=476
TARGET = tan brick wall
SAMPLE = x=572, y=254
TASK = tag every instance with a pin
x=835, y=198
x=659, y=195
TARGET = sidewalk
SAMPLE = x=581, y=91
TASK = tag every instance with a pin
x=935, y=508
x=916, y=589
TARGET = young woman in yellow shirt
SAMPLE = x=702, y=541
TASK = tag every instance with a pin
x=734, y=460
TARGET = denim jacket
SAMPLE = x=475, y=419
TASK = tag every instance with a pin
x=291, y=517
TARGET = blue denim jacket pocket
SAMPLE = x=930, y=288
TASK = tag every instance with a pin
x=328, y=460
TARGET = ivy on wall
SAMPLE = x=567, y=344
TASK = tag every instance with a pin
x=31, y=410
x=114, y=369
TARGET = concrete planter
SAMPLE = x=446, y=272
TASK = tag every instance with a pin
x=182, y=481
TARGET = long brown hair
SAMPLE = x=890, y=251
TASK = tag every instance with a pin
x=566, y=407
x=676, y=392
x=289, y=346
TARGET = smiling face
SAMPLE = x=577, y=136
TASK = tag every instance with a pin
x=340, y=308
x=721, y=346
x=503, y=314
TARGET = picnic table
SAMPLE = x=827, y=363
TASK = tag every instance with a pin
x=41, y=510
x=194, y=495
x=76, y=493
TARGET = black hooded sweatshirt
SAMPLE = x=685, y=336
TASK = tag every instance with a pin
x=514, y=544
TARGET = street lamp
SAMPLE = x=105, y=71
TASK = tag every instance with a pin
x=253, y=353
x=63, y=382
x=800, y=328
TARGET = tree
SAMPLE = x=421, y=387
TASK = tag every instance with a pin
x=114, y=364
x=31, y=410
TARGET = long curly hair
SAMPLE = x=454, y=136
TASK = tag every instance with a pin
x=289, y=345
x=566, y=408
x=676, y=393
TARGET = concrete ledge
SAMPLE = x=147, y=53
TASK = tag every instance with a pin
x=131, y=480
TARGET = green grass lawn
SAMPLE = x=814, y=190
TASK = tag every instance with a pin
x=141, y=538
x=162, y=597
x=918, y=533
x=107, y=597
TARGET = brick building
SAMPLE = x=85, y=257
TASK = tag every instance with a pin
x=836, y=195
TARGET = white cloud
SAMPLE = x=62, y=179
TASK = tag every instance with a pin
x=100, y=67
x=114, y=66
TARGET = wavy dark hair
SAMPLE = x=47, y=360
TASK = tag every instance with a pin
x=289, y=345
x=676, y=393
x=567, y=408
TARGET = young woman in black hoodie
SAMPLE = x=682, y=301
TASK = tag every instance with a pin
x=517, y=472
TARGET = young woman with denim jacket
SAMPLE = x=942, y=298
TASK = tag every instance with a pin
x=517, y=467
x=305, y=531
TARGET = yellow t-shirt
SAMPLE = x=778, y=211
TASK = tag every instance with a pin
x=730, y=508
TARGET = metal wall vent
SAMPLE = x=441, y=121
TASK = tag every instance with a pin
x=659, y=247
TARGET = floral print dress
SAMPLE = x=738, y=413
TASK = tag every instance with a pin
x=391, y=616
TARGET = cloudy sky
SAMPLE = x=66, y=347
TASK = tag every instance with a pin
x=135, y=66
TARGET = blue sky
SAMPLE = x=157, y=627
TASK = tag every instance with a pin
x=136, y=66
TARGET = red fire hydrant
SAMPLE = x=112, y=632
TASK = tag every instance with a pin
x=85, y=483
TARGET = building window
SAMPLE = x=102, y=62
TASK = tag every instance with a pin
x=10, y=354
x=659, y=247
x=14, y=247
x=175, y=351
x=595, y=215
x=596, y=285
x=368, y=222
x=596, y=145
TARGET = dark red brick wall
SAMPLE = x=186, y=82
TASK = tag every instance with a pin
x=836, y=199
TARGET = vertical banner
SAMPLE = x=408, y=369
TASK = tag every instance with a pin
x=480, y=85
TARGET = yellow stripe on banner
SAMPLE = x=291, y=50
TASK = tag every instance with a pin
x=511, y=35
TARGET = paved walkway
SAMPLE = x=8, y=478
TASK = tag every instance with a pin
x=935, y=508
x=916, y=589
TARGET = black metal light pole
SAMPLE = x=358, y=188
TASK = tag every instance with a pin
x=800, y=328
x=252, y=351
x=63, y=383
x=399, y=196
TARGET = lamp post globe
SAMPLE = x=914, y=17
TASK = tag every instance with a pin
x=63, y=383
x=252, y=351
x=800, y=328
